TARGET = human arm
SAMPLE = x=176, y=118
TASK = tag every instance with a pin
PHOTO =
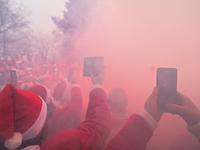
x=62, y=118
x=74, y=107
x=139, y=128
x=70, y=97
x=95, y=129
x=188, y=111
x=134, y=135
x=90, y=134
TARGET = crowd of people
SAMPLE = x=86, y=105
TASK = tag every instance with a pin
x=32, y=69
x=45, y=117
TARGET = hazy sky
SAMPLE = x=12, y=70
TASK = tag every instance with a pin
x=41, y=12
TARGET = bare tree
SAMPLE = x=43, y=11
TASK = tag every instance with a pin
x=14, y=26
x=42, y=45
x=75, y=21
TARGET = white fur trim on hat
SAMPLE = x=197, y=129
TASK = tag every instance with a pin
x=36, y=128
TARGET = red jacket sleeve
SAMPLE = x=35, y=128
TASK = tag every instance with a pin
x=133, y=136
x=90, y=134
x=95, y=129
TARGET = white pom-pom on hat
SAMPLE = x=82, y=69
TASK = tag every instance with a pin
x=13, y=142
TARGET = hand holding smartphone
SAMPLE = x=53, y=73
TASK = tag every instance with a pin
x=167, y=86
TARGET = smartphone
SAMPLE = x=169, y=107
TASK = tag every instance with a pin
x=70, y=73
x=93, y=65
x=167, y=86
x=88, y=66
x=13, y=77
x=98, y=65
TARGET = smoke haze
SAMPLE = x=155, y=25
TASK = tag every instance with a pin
x=137, y=37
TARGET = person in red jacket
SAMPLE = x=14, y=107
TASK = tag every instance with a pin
x=139, y=128
x=189, y=112
x=118, y=102
x=46, y=95
x=22, y=119
x=69, y=103
x=90, y=134
x=63, y=106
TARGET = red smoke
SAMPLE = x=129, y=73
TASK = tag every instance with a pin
x=136, y=37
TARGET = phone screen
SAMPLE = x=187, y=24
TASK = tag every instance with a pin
x=98, y=65
x=88, y=67
x=167, y=86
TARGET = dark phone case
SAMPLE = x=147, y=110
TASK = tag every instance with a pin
x=167, y=86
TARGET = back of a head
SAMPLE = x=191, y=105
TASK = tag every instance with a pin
x=118, y=100
x=59, y=90
x=39, y=90
x=62, y=92
x=45, y=94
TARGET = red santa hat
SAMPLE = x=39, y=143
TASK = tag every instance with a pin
x=42, y=91
x=62, y=91
x=22, y=113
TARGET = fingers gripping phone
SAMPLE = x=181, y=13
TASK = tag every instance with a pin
x=93, y=66
x=167, y=86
